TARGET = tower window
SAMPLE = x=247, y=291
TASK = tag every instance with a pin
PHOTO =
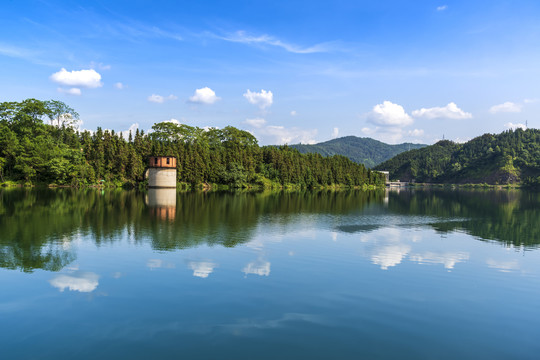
x=168, y=161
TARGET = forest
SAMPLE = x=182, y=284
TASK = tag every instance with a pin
x=510, y=157
x=39, y=144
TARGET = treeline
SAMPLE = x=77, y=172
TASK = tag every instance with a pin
x=39, y=144
x=505, y=158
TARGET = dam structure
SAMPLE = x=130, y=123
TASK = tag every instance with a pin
x=161, y=172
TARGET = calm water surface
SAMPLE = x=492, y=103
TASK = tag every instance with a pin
x=315, y=275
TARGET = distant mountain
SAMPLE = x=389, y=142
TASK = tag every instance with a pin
x=508, y=157
x=366, y=151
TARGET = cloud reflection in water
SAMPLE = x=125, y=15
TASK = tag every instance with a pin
x=259, y=267
x=78, y=281
x=202, y=268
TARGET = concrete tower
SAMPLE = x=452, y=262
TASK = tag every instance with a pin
x=162, y=172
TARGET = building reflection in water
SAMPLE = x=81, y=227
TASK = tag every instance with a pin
x=162, y=203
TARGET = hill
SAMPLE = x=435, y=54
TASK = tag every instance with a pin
x=508, y=157
x=365, y=151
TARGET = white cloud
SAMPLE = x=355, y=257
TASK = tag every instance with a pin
x=460, y=140
x=244, y=38
x=531, y=101
x=257, y=122
x=71, y=91
x=202, y=268
x=259, y=267
x=133, y=128
x=280, y=135
x=81, y=78
x=156, y=98
x=507, y=107
x=335, y=132
x=262, y=99
x=515, y=126
x=67, y=120
x=119, y=86
x=389, y=135
x=11, y=51
x=368, y=131
x=293, y=113
x=100, y=66
x=416, y=132
x=450, y=111
x=160, y=99
x=389, y=114
x=392, y=135
x=78, y=281
x=442, y=7
x=204, y=95
x=174, y=121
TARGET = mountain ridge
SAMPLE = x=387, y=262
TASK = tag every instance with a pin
x=363, y=150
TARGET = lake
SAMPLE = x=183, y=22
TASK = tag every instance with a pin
x=410, y=274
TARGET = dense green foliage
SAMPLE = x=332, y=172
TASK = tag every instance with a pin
x=34, y=152
x=365, y=151
x=508, y=157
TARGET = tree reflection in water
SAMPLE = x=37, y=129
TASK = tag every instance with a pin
x=37, y=226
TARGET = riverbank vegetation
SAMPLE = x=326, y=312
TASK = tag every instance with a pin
x=40, y=145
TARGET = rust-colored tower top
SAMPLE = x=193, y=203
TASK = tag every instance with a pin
x=162, y=162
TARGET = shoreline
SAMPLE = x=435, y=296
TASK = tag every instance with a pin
x=203, y=187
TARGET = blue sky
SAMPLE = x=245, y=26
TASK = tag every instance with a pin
x=288, y=71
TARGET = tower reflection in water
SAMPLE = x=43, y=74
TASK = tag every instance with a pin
x=162, y=203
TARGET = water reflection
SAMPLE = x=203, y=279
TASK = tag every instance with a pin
x=448, y=259
x=162, y=203
x=259, y=267
x=202, y=268
x=39, y=227
x=502, y=265
x=510, y=217
x=158, y=263
x=78, y=281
